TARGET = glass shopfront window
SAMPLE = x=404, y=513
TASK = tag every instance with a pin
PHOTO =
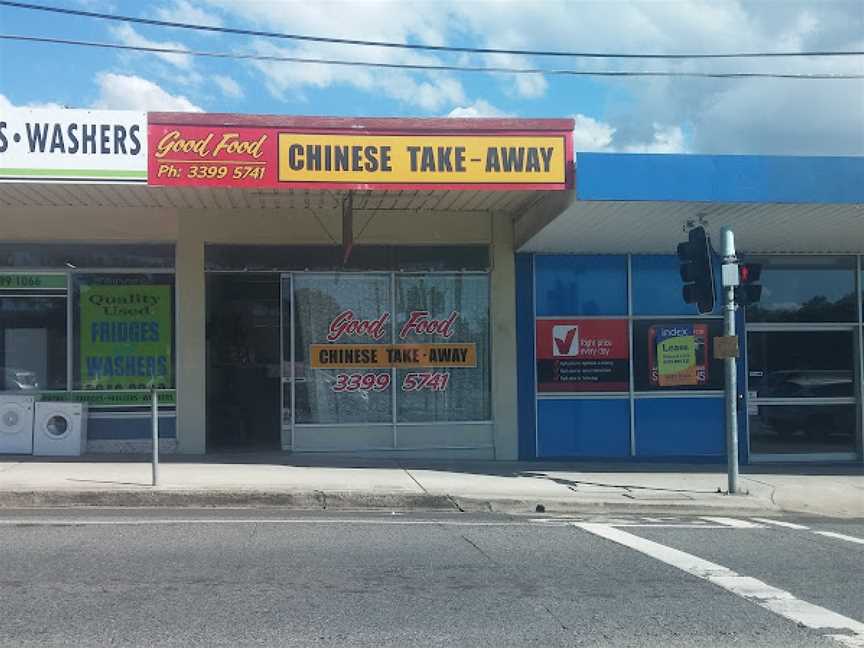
x=801, y=364
x=32, y=343
x=459, y=304
x=362, y=340
x=805, y=289
x=341, y=310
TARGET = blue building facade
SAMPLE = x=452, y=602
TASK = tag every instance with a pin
x=601, y=322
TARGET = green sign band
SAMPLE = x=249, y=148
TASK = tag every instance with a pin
x=167, y=397
x=31, y=281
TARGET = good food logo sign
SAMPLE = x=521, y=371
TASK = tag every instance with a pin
x=186, y=155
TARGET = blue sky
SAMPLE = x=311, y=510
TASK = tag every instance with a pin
x=716, y=116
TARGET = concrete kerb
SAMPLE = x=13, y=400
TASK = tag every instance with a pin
x=359, y=501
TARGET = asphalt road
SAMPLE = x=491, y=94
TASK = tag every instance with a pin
x=272, y=578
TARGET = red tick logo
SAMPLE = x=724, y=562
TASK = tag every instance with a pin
x=565, y=340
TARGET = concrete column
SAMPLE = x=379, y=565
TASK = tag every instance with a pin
x=191, y=344
x=503, y=313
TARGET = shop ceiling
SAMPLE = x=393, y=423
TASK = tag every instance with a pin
x=601, y=227
x=110, y=196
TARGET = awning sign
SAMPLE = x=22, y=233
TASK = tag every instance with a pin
x=414, y=159
x=62, y=145
x=270, y=157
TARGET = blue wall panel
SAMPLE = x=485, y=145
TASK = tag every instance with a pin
x=720, y=178
x=581, y=285
x=525, y=355
x=583, y=428
x=657, y=286
x=679, y=427
x=130, y=428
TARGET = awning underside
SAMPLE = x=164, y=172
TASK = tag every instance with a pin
x=657, y=227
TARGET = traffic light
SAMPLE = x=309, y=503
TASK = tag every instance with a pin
x=749, y=290
x=697, y=271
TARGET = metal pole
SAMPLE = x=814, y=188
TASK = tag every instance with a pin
x=730, y=365
x=155, y=437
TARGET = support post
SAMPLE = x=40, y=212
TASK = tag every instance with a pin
x=155, y=412
x=731, y=395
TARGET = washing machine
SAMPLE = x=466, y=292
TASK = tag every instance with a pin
x=59, y=429
x=16, y=424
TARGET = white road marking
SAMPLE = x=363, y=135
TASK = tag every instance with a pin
x=780, y=523
x=733, y=522
x=674, y=526
x=852, y=641
x=840, y=536
x=771, y=598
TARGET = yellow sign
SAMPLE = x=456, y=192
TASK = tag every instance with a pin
x=376, y=356
x=423, y=159
x=676, y=361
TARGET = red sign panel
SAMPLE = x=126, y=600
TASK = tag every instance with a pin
x=582, y=355
x=211, y=156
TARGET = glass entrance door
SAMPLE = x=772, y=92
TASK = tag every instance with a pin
x=802, y=393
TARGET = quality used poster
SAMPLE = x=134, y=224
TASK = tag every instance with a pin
x=582, y=355
x=125, y=339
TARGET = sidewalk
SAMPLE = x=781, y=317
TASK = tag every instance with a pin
x=327, y=482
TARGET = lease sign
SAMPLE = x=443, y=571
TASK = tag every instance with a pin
x=582, y=355
x=189, y=154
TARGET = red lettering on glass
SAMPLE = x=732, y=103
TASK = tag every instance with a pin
x=420, y=323
x=346, y=324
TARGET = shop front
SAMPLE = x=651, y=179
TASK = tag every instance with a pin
x=613, y=363
x=296, y=284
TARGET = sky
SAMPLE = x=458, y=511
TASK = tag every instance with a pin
x=657, y=115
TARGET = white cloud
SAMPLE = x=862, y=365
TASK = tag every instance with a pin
x=431, y=92
x=667, y=139
x=228, y=86
x=699, y=115
x=182, y=11
x=6, y=104
x=480, y=108
x=128, y=92
x=128, y=36
x=591, y=135
x=383, y=21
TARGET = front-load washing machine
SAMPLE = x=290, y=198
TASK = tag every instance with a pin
x=16, y=424
x=59, y=429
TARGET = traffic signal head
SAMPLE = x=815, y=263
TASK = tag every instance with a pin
x=749, y=290
x=697, y=271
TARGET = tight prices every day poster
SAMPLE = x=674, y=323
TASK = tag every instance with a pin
x=582, y=355
x=125, y=336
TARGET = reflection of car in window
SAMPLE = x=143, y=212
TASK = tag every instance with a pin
x=806, y=383
x=813, y=420
x=19, y=379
